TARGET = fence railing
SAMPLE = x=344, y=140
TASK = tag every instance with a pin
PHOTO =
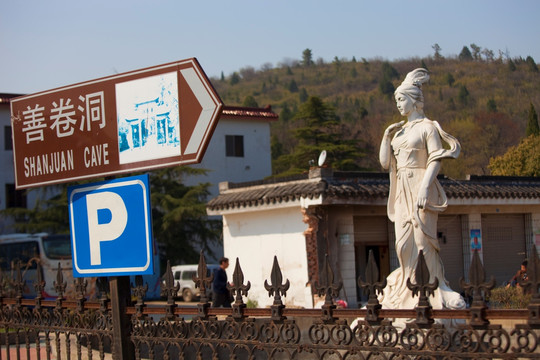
x=114, y=326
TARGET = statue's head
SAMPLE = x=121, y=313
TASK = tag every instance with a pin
x=412, y=87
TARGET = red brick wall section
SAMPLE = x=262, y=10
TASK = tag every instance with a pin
x=311, y=219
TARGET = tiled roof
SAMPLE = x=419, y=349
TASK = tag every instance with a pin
x=495, y=187
x=249, y=113
x=366, y=186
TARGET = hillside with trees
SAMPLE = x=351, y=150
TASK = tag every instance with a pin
x=343, y=106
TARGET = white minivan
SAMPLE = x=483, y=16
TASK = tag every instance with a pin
x=183, y=275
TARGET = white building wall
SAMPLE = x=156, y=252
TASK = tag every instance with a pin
x=255, y=165
x=255, y=238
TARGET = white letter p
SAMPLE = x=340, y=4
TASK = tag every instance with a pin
x=108, y=231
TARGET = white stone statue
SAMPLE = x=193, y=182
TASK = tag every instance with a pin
x=412, y=152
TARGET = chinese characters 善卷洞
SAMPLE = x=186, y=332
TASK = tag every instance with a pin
x=64, y=117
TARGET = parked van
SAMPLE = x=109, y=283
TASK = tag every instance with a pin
x=183, y=275
x=33, y=250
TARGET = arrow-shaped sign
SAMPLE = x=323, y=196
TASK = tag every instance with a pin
x=145, y=119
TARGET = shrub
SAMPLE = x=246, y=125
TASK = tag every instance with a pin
x=252, y=304
x=509, y=298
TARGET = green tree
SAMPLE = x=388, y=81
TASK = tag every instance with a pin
x=491, y=105
x=511, y=65
x=318, y=129
x=463, y=95
x=476, y=51
x=286, y=114
x=385, y=83
x=180, y=223
x=235, y=78
x=249, y=101
x=437, y=49
x=465, y=54
x=532, y=123
x=386, y=87
x=449, y=79
x=336, y=63
x=520, y=160
x=303, y=95
x=292, y=86
x=362, y=112
x=307, y=58
x=531, y=63
x=388, y=71
x=276, y=147
x=365, y=63
x=488, y=54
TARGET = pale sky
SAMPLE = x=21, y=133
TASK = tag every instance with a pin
x=52, y=43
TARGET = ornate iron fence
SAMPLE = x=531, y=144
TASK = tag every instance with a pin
x=77, y=328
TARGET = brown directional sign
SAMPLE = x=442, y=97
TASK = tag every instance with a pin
x=145, y=119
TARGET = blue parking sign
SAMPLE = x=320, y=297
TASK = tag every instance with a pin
x=111, y=227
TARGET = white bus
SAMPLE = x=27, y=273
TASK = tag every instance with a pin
x=47, y=251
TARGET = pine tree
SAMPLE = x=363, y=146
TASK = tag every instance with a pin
x=437, y=49
x=463, y=95
x=307, y=58
x=491, y=105
x=531, y=63
x=235, y=78
x=303, y=95
x=292, y=86
x=511, y=65
x=476, y=51
x=532, y=124
x=465, y=54
x=449, y=79
x=285, y=114
x=318, y=129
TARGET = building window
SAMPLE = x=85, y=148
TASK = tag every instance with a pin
x=8, y=143
x=234, y=145
x=15, y=198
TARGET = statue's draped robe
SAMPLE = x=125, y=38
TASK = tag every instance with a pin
x=414, y=147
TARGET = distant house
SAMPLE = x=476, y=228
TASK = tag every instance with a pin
x=302, y=219
x=240, y=148
x=238, y=151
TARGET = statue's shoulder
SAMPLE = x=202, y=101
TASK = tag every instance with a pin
x=428, y=124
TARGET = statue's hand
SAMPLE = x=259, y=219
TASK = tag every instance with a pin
x=393, y=128
x=422, y=199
